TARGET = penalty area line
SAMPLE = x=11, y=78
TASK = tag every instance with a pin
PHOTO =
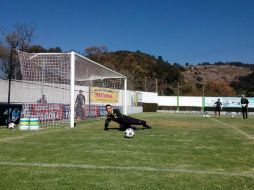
x=40, y=132
x=126, y=168
x=235, y=128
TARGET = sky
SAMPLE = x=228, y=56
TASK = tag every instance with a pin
x=181, y=31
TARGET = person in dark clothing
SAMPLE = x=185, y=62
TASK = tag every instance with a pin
x=218, y=106
x=42, y=100
x=244, y=104
x=80, y=106
x=123, y=120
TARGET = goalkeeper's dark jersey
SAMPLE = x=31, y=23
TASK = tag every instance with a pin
x=115, y=116
x=124, y=120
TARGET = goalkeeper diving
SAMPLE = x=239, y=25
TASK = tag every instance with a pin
x=124, y=121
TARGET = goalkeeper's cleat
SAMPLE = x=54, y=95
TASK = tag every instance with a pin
x=105, y=129
x=148, y=127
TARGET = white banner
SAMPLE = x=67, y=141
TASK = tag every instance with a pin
x=227, y=102
x=190, y=101
x=167, y=100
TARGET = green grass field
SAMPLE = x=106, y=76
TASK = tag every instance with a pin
x=181, y=151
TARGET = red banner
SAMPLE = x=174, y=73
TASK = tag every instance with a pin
x=48, y=112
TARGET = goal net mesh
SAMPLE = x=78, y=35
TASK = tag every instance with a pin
x=46, y=90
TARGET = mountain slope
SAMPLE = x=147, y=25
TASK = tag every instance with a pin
x=144, y=71
x=147, y=73
x=215, y=80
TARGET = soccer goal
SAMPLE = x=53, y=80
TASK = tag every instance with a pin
x=62, y=88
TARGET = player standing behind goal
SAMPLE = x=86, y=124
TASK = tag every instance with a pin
x=80, y=106
x=42, y=100
x=124, y=120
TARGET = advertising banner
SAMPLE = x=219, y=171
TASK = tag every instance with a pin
x=14, y=110
x=94, y=111
x=228, y=102
x=97, y=111
x=104, y=95
x=251, y=102
x=45, y=112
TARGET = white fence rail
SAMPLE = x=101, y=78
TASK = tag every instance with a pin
x=133, y=98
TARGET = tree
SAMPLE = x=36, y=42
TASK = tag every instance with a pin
x=219, y=88
x=245, y=85
x=20, y=38
x=95, y=50
x=4, y=62
x=55, y=50
x=40, y=49
x=160, y=59
x=36, y=49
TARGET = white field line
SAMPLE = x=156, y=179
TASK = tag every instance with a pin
x=149, y=115
x=235, y=128
x=39, y=133
x=126, y=168
x=27, y=135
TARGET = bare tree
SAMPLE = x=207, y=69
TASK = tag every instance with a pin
x=20, y=38
x=4, y=62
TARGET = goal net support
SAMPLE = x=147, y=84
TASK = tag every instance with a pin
x=62, y=88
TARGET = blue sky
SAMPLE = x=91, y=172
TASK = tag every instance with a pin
x=181, y=31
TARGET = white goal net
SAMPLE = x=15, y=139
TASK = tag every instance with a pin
x=63, y=88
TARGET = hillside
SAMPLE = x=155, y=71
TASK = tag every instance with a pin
x=144, y=71
x=217, y=79
x=148, y=73
x=205, y=73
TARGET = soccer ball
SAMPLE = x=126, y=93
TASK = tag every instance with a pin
x=129, y=133
x=11, y=125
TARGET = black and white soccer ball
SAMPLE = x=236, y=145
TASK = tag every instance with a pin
x=129, y=133
x=11, y=125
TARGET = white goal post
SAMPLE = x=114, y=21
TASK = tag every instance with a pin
x=63, y=88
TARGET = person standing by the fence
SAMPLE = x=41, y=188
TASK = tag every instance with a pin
x=244, y=104
x=218, y=106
